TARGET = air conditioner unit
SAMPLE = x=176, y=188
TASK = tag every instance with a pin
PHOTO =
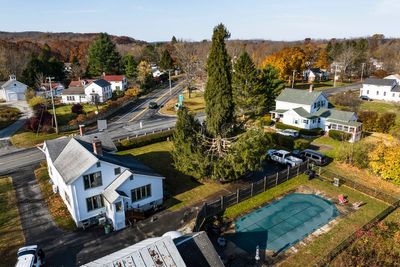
x=55, y=189
x=102, y=220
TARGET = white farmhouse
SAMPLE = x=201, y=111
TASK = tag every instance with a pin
x=308, y=109
x=96, y=90
x=12, y=90
x=381, y=89
x=118, y=82
x=96, y=184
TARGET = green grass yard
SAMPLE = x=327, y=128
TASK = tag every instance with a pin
x=65, y=115
x=319, y=85
x=181, y=190
x=11, y=234
x=29, y=139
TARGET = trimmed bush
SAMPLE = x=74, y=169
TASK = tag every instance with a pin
x=301, y=144
x=264, y=121
x=283, y=141
x=144, y=140
x=312, y=132
x=77, y=108
x=339, y=135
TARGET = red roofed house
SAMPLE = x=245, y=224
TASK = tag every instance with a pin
x=118, y=82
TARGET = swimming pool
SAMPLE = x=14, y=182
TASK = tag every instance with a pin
x=281, y=224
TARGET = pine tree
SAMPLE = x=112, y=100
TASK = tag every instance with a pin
x=103, y=56
x=130, y=66
x=174, y=40
x=187, y=154
x=245, y=86
x=166, y=61
x=270, y=87
x=218, y=93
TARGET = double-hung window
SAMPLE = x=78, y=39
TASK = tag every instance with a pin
x=92, y=180
x=141, y=193
x=94, y=202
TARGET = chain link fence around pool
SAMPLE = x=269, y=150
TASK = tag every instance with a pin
x=213, y=208
x=394, y=203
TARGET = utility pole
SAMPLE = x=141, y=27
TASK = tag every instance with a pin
x=52, y=102
x=294, y=71
x=362, y=71
x=170, y=86
x=334, y=77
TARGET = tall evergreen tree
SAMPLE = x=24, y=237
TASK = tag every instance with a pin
x=174, y=40
x=166, y=61
x=245, y=86
x=270, y=87
x=218, y=93
x=103, y=56
x=187, y=154
x=130, y=66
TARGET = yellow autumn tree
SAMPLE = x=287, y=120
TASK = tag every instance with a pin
x=385, y=162
x=286, y=60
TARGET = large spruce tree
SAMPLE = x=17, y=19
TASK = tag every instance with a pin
x=270, y=87
x=103, y=56
x=188, y=151
x=245, y=85
x=218, y=93
x=166, y=61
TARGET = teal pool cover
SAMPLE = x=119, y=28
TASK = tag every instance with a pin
x=282, y=223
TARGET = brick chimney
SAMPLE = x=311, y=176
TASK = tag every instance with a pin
x=97, y=147
x=311, y=88
x=81, y=129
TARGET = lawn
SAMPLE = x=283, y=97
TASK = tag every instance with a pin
x=8, y=115
x=55, y=204
x=30, y=139
x=11, y=234
x=319, y=85
x=195, y=103
x=181, y=190
x=65, y=115
x=381, y=107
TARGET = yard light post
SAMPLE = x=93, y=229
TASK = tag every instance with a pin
x=52, y=102
x=257, y=257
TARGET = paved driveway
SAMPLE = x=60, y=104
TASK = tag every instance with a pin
x=64, y=248
x=26, y=113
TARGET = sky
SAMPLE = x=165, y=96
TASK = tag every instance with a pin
x=159, y=20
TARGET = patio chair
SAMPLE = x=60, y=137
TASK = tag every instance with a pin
x=342, y=199
x=358, y=204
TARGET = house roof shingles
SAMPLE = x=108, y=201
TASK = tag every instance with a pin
x=380, y=82
x=113, y=78
x=101, y=83
x=298, y=96
x=75, y=90
x=73, y=156
x=334, y=114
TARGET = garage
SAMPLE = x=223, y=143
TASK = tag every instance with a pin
x=16, y=96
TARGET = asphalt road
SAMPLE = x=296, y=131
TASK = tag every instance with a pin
x=12, y=162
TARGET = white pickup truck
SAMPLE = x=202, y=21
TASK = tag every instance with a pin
x=284, y=157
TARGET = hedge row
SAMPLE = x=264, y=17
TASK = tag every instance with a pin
x=144, y=140
x=312, y=132
x=339, y=135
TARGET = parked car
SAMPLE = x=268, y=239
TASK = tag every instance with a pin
x=153, y=105
x=289, y=132
x=30, y=256
x=314, y=157
x=366, y=98
x=284, y=157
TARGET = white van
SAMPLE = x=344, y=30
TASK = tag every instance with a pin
x=30, y=256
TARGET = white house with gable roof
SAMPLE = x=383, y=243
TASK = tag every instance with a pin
x=96, y=184
x=96, y=90
x=12, y=90
x=381, y=89
x=308, y=109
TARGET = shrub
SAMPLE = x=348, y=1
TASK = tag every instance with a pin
x=386, y=121
x=312, y=132
x=348, y=100
x=369, y=120
x=132, y=92
x=264, y=121
x=144, y=140
x=283, y=141
x=301, y=144
x=41, y=121
x=77, y=108
x=37, y=101
x=354, y=154
x=339, y=135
